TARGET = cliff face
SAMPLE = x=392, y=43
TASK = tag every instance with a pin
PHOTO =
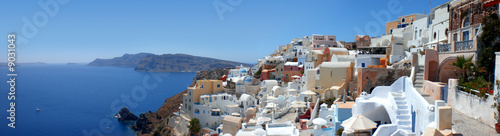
x=126, y=115
x=127, y=60
x=182, y=63
x=156, y=121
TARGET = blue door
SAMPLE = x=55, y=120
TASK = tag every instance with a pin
x=444, y=93
x=413, y=115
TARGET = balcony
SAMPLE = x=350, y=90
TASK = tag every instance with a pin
x=461, y=46
x=464, y=46
x=444, y=47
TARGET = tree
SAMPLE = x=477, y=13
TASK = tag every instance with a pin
x=489, y=42
x=464, y=67
x=194, y=126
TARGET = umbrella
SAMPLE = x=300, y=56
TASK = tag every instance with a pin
x=309, y=92
x=359, y=122
x=259, y=132
x=295, y=76
x=319, y=121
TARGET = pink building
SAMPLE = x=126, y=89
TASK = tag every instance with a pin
x=323, y=40
x=292, y=69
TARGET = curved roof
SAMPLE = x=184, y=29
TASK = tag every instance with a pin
x=243, y=71
x=247, y=79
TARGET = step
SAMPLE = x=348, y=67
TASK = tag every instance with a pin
x=401, y=102
x=402, y=106
x=420, y=74
x=399, y=98
x=405, y=127
x=403, y=111
x=404, y=116
x=397, y=94
x=404, y=122
x=419, y=81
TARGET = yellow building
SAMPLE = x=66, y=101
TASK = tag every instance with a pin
x=193, y=93
x=402, y=22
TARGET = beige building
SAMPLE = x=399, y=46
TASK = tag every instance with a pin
x=334, y=78
x=193, y=93
x=231, y=125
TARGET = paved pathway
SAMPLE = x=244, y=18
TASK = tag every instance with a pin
x=469, y=126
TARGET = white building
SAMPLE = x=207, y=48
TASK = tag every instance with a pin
x=438, y=26
x=248, y=85
x=399, y=109
x=212, y=107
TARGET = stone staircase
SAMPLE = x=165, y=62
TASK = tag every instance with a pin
x=419, y=85
x=403, y=117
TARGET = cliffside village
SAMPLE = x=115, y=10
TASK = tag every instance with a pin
x=400, y=83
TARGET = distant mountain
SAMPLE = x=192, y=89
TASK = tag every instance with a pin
x=5, y=64
x=182, y=63
x=127, y=60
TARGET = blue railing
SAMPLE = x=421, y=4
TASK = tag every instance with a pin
x=444, y=47
x=464, y=45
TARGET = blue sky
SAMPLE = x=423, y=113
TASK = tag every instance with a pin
x=82, y=30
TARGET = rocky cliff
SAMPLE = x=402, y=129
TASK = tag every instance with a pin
x=126, y=115
x=182, y=63
x=127, y=60
x=155, y=122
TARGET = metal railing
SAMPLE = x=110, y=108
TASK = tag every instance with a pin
x=464, y=45
x=444, y=47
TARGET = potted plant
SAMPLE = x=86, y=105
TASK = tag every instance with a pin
x=496, y=105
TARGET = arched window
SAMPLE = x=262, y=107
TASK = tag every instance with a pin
x=466, y=21
x=403, y=20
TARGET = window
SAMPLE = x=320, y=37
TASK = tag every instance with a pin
x=420, y=33
x=465, y=35
x=455, y=37
x=391, y=31
x=218, y=85
x=415, y=34
x=362, y=65
x=466, y=21
x=435, y=35
x=201, y=86
x=403, y=20
x=197, y=111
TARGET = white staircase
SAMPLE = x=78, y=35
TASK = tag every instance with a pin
x=403, y=117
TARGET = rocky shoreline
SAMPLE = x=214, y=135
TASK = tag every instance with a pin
x=154, y=123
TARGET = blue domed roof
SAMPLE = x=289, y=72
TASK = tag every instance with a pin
x=243, y=71
x=247, y=79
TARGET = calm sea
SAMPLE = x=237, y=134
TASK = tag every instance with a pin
x=79, y=99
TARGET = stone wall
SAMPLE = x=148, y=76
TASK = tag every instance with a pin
x=369, y=78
